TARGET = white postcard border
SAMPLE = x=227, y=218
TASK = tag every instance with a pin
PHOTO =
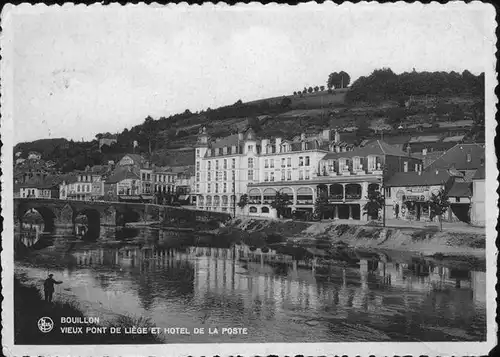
x=223, y=349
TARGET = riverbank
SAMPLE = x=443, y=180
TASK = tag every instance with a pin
x=424, y=240
x=29, y=307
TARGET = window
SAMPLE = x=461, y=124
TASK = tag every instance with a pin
x=250, y=175
x=77, y=188
x=405, y=167
x=216, y=164
x=216, y=188
x=416, y=167
x=209, y=176
x=198, y=166
x=301, y=161
x=307, y=174
x=234, y=175
x=271, y=163
x=372, y=163
x=266, y=176
x=301, y=175
x=289, y=175
x=272, y=176
x=355, y=163
x=209, y=167
x=209, y=188
x=266, y=163
x=250, y=163
x=197, y=187
x=250, y=147
x=283, y=162
x=197, y=152
x=307, y=161
x=469, y=158
x=225, y=163
x=233, y=163
x=282, y=175
x=225, y=175
x=225, y=187
x=197, y=176
x=264, y=209
x=253, y=210
x=289, y=162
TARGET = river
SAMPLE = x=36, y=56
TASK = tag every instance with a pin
x=137, y=272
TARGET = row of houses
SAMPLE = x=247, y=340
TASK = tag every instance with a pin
x=311, y=165
x=131, y=179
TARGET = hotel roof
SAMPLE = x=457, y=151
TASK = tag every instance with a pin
x=457, y=157
x=426, y=178
x=376, y=147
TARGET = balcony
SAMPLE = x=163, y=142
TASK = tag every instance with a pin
x=304, y=202
x=353, y=196
x=337, y=197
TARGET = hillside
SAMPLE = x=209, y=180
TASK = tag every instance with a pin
x=381, y=101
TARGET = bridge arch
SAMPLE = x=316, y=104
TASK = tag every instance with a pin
x=93, y=226
x=48, y=216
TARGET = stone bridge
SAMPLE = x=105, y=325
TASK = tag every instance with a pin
x=61, y=214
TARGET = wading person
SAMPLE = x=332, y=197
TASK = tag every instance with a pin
x=48, y=287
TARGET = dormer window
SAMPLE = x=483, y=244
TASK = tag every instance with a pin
x=224, y=150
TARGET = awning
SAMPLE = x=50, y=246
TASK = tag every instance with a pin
x=184, y=197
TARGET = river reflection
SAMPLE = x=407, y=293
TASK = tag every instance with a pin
x=277, y=302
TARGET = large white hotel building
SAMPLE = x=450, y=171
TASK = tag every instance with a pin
x=302, y=167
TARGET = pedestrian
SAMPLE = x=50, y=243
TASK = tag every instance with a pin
x=396, y=209
x=48, y=287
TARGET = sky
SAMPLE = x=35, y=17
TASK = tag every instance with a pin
x=84, y=70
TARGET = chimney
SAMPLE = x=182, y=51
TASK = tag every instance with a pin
x=337, y=136
x=326, y=135
x=302, y=136
x=240, y=136
x=278, y=144
x=408, y=150
x=424, y=152
x=264, y=143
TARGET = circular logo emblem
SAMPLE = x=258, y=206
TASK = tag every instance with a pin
x=45, y=324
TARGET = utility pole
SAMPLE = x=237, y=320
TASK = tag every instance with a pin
x=234, y=198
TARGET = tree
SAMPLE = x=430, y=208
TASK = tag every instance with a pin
x=310, y=89
x=280, y=203
x=344, y=79
x=243, y=201
x=316, y=88
x=438, y=205
x=374, y=205
x=338, y=80
x=294, y=93
x=321, y=206
x=322, y=88
x=149, y=131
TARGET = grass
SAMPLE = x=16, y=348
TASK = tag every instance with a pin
x=29, y=307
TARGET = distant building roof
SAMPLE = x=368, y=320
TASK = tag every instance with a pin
x=138, y=159
x=47, y=182
x=376, y=147
x=460, y=189
x=462, y=157
x=121, y=174
x=425, y=178
x=424, y=139
x=480, y=173
x=455, y=138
